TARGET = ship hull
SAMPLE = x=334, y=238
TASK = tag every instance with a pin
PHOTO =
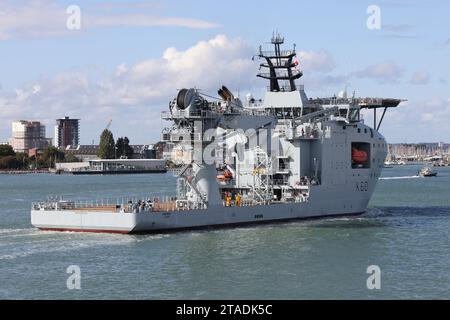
x=323, y=203
x=106, y=229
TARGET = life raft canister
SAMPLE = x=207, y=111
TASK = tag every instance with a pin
x=359, y=156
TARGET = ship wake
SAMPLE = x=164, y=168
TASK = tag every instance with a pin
x=399, y=178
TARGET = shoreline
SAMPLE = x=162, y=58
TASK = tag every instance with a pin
x=24, y=171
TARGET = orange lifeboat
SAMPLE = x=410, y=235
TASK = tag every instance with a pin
x=359, y=156
x=228, y=175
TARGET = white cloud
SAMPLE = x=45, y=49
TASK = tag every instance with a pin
x=420, y=77
x=386, y=72
x=325, y=85
x=207, y=65
x=145, y=20
x=139, y=91
x=427, y=117
x=135, y=94
x=311, y=61
x=425, y=120
x=40, y=18
x=437, y=113
x=31, y=18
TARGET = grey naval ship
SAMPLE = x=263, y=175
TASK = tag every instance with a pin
x=283, y=158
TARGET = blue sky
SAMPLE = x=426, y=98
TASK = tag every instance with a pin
x=120, y=65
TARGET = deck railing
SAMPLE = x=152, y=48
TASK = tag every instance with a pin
x=122, y=205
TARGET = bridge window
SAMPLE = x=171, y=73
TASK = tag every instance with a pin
x=354, y=115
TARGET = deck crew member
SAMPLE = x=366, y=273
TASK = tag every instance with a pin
x=228, y=200
x=237, y=200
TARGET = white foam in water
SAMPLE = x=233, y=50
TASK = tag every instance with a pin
x=6, y=234
x=17, y=231
x=399, y=178
x=65, y=241
x=26, y=249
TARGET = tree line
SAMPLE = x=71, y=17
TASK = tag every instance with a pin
x=108, y=149
x=11, y=160
x=111, y=149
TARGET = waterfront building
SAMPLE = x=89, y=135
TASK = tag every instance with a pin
x=67, y=132
x=90, y=152
x=28, y=135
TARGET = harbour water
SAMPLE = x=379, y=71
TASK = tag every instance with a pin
x=405, y=232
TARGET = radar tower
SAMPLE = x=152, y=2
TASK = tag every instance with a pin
x=281, y=65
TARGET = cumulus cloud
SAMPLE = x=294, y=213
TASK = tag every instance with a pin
x=139, y=90
x=136, y=93
x=325, y=84
x=420, y=77
x=436, y=112
x=207, y=65
x=419, y=120
x=38, y=18
x=385, y=72
x=321, y=61
x=144, y=20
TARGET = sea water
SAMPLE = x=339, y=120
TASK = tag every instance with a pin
x=405, y=232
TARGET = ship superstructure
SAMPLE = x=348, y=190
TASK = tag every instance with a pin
x=281, y=158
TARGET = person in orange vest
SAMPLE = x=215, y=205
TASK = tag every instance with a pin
x=237, y=200
x=227, y=199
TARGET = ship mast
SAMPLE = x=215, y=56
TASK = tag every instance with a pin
x=281, y=66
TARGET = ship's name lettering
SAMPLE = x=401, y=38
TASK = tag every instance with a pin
x=362, y=186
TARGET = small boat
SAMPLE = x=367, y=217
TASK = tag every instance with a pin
x=427, y=172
